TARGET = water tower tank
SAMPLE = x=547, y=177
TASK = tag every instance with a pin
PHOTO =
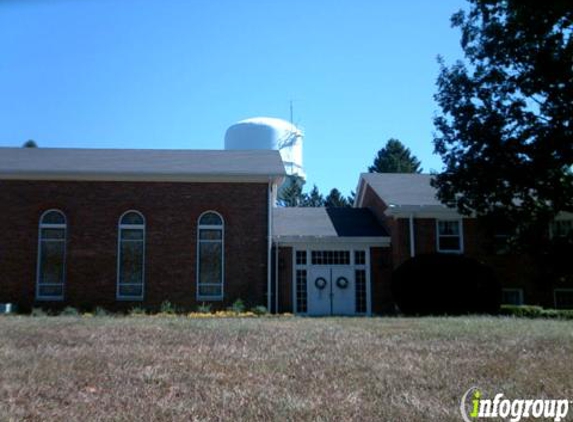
x=269, y=133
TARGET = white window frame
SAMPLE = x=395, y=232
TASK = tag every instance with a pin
x=121, y=227
x=461, y=235
x=520, y=293
x=555, y=291
x=552, y=233
x=198, y=257
x=296, y=267
x=366, y=268
x=41, y=226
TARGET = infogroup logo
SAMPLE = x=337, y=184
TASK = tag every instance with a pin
x=475, y=406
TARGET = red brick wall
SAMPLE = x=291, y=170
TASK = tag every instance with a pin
x=373, y=202
x=171, y=210
x=285, y=279
x=380, y=277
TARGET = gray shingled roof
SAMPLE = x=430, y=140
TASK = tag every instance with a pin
x=403, y=189
x=122, y=164
x=326, y=222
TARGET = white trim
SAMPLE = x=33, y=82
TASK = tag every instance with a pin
x=41, y=226
x=143, y=177
x=198, y=256
x=337, y=241
x=120, y=227
x=412, y=236
x=422, y=211
x=555, y=291
x=276, y=277
x=360, y=193
x=512, y=289
x=269, y=244
x=461, y=236
x=294, y=282
x=560, y=219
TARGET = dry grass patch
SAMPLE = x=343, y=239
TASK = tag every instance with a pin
x=272, y=369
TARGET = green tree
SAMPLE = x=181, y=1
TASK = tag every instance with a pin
x=505, y=131
x=291, y=195
x=351, y=198
x=335, y=200
x=30, y=143
x=395, y=158
x=313, y=199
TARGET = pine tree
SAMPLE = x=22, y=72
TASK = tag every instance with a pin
x=395, y=158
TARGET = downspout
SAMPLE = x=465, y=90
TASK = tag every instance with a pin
x=277, y=276
x=412, y=237
x=270, y=244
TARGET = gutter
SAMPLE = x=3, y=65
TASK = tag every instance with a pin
x=412, y=236
x=269, y=243
x=277, y=277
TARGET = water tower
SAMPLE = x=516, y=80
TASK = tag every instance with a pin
x=270, y=133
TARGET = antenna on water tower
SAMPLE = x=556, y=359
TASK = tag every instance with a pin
x=291, y=114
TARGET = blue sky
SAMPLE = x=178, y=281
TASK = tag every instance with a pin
x=176, y=74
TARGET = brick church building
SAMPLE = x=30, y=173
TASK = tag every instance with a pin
x=124, y=228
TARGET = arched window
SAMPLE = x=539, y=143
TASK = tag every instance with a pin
x=51, y=256
x=210, y=261
x=130, y=256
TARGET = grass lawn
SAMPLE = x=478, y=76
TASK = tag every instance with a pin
x=273, y=369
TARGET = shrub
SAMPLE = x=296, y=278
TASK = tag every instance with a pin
x=529, y=311
x=137, y=311
x=38, y=312
x=204, y=308
x=167, y=308
x=259, y=310
x=69, y=311
x=438, y=284
x=101, y=312
x=238, y=306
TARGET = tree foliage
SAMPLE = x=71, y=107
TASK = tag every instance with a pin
x=313, y=199
x=30, y=143
x=336, y=200
x=394, y=157
x=505, y=132
x=293, y=196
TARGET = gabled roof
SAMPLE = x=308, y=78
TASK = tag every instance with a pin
x=404, y=194
x=326, y=223
x=140, y=164
x=403, y=188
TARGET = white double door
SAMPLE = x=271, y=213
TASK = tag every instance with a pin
x=331, y=290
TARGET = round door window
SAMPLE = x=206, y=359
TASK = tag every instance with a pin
x=320, y=283
x=342, y=282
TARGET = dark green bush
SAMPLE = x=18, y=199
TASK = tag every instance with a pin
x=38, y=312
x=259, y=310
x=529, y=311
x=238, y=306
x=524, y=311
x=168, y=308
x=445, y=284
x=69, y=311
x=204, y=308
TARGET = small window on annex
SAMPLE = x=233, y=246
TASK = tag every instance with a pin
x=51, y=256
x=210, y=258
x=449, y=236
x=512, y=297
x=562, y=228
x=131, y=255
